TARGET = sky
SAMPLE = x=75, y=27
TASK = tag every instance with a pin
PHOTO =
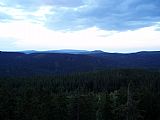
x=108, y=25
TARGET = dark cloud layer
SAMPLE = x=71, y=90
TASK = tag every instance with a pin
x=105, y=14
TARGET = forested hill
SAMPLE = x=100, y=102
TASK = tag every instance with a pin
x=126, y=94
x=47, y=63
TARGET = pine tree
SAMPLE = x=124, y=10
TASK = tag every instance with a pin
x=131, y=104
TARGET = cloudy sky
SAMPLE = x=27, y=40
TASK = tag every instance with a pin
x=109, y=25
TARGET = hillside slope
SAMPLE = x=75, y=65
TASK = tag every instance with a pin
x=21, y=64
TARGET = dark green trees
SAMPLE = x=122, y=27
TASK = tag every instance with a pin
x=102, y=95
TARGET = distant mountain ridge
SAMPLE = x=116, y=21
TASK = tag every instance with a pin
x=69, y=51
x=73, y=51
x=62, y=62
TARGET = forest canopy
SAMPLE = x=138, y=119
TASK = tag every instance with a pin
x=131, y=94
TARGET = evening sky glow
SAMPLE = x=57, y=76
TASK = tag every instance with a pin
x=108, y=25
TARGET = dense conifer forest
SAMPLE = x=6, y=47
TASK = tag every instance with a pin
x=119, y=94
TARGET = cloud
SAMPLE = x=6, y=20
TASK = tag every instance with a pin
x=25, y=35
x=11, y=14
x=4, y=17
x=105, y=14
x=80, y=14
x=31, y=4
x=110, y=25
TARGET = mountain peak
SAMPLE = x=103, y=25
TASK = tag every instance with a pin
x=97, y=51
